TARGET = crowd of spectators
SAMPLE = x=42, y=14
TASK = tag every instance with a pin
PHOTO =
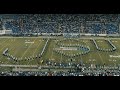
x=61, y=23
x=81, y=71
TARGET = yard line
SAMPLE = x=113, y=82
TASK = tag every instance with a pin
x=52, y=51
x=46, y=43
x=5, y=45
x=13, y=46
x=61, y=57
x=116, y=51
x=108, y=53
x=81, y=56
x=18, y=45
x=37, y=48
x=3, y=41
x=17, y=49
x=90, y=53
x=117, y=60
x=27, y=49
x=34, y=53
x=100, y=57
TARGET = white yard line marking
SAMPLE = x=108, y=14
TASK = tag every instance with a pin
x=27, y=49
x=90, y=53
x=81, y=55
x=2, y=57
x=36, y=48
x=106, y=52
x=16, y=51
x=116, y=52
x=100, y=57
x=5, y=45
x=12, y=47
x=52, y=51
x=3, y=41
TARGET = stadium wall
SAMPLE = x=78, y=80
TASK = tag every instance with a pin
x=48, y=34
x=5, y=32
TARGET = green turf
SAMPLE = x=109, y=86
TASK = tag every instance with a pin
x=20, y=49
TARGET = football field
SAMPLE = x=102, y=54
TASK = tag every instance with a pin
x=21, y=48
x=94, y=56
x=27, y=51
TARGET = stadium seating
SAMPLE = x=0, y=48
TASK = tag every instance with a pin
x=69, y=24
x=61, y=23
x=112, y=29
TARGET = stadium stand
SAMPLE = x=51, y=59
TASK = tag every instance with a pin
x=61, y=23
x=70, y=26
